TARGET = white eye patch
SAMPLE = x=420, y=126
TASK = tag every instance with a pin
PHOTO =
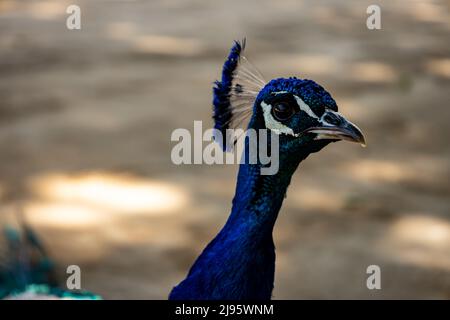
x=273, y=124
x=304, y=107
x=279, y=127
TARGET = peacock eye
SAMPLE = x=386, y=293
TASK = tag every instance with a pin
x=282, y=111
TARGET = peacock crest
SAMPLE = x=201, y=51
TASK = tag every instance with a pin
x=235, y=94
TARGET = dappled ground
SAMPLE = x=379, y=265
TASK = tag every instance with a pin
x=86, y=118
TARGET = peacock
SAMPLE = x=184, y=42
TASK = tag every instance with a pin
x=28, y=273
x=239, y=263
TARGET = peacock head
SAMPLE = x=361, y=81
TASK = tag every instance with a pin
x=304, y=112
x=300, y=111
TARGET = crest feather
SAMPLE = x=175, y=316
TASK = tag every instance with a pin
x=235, y=95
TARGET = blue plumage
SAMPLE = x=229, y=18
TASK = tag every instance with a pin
x=311, y=92
x=239, y=263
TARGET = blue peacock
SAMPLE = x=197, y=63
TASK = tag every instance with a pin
x=239, y=263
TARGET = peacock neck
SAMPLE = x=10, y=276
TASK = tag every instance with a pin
x=239, y=263
x=245, y=245
x=258, y=198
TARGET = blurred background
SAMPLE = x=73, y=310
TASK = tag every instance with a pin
x=86, y=118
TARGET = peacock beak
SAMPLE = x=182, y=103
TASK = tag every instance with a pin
x=335, y=127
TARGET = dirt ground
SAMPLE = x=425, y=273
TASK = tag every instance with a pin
x=86, y=118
